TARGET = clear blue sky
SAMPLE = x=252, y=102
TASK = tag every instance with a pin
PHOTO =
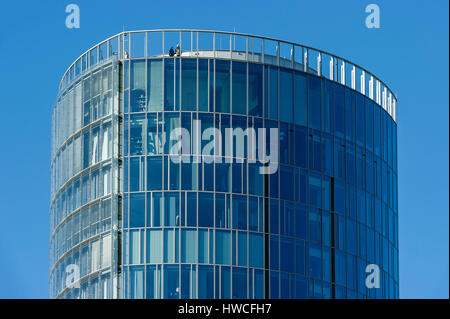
x=410, y=52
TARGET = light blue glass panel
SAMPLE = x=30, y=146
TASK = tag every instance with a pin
x=242, y=249
x=203, y=239
x=171, y=209
x=154, y=246
x=137, y=89
x=189, y=246
x=256, y=249
x=137, y=282
x=223, y=247
x=154, y=85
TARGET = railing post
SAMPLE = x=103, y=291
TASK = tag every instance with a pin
x=332, y=68
x=343, y=73
x=363, y=83
x=353, y=78
x=305, y=65
x=319, y=64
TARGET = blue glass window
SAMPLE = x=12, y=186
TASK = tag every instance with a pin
x=154, y=85
x=154, y=173
x=242, y=248
x=253, y=213
x=339, y=196
x=256, y=247
x=349, y=115
x=137, y=134
x=315, y=261
x=339, y=111
x=369, y=124
x=171, y=209
x=274, y=285
x=314, y=101
x=274, y=252
x=203, y=86
x=151, y=282
x=222, y=217
x=239, y=87
x=223, y=177
x=205, y=210
x=169, y=83
x=136, y=282
x=171, y=282
x=154, y=246
x=286, y=96
x=301, y=98
x=223, y=247
x=222, y=86
x=239, y=210
x=273, y=93
x=287, y=176
x=360, y=120
x=254, y=89
x=301, y=147
x=137, y=90
x=205, y=282
x=239, y=283
x=137, y=210
x=189, y=84
x=287, y=254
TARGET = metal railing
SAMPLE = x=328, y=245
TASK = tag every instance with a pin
x=236, y=46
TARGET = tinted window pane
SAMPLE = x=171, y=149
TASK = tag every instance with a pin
x=239, y=88
x=205, y=210
x=286, y=96
x=339, y=111
x=273, y=93
x=203, y=85
x=154, y=173
x=169, y=82
x=189, y=84
x=222, y=82
x=137, y=210
x=314, y=102
x=255, y=89
x=300, y=104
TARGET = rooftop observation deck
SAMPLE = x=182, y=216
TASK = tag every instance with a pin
x=238, y=47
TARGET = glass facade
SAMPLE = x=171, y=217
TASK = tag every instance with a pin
x=137, y=224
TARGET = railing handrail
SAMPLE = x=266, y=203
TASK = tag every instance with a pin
x=375, y=95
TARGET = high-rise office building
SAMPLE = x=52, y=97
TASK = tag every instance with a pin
x=202, y=164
